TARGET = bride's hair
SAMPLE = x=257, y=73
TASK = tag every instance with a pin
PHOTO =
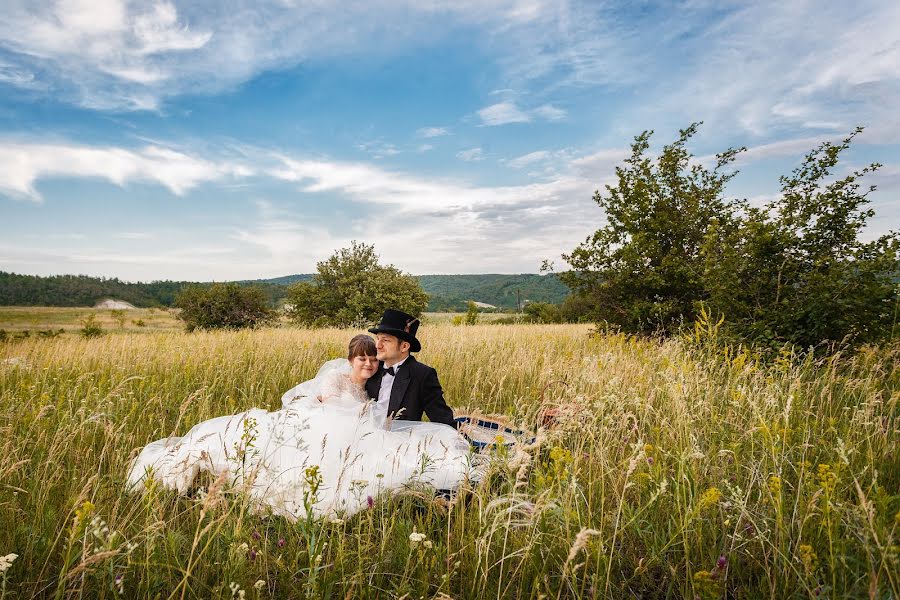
x=361, y=345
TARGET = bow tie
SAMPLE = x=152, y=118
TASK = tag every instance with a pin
x=390, y=371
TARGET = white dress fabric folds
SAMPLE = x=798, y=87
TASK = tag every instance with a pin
x=325, y=434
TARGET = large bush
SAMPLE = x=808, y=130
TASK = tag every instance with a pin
x=797, y=271
x=644, y=269
x=223, y=306
x=351, y=288
x=794, y=271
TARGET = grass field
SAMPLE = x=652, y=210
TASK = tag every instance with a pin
x=16, y=319
x=674, y=470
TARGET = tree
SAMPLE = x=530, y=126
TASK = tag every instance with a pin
x=796, y=270
x=351, y=288
x=471, y=313
x=223, y=306
x=644, y=269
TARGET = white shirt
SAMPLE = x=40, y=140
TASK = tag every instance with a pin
x=380, y=410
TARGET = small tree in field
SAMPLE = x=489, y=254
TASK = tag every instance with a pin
x=223, y=306
x=351, y=288
x=90, y=327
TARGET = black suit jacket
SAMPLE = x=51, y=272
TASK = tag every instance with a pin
x=416, y=390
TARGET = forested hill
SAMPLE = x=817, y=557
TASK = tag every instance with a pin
x=446, y=292
x=81, y=290
x=453, y=292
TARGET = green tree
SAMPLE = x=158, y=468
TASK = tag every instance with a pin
x=223, y=306
x=796, y=270
x=471, y=313
x=643, y=271
x=351, y=288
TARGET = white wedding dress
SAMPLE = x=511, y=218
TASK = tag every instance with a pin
x=325, y=422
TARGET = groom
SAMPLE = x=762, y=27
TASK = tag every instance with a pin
x=404, y=388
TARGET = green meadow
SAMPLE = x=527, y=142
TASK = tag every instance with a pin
x=669, y=469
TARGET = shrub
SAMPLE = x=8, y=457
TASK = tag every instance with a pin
x=223, y=306
x=471, y=314
x=90, y=328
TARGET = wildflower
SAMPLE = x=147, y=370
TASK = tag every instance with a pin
x=370, y=501
x=82, y=513
x=428, y=544
x=775, y=485
x=415, y=538
x=252, y=554
x=6, y=562
x=259, y=585
x=648, y=448
x=236, y=591
x=120, y=583
x=722, y=562
x=255, y=535
x=336, y=521
x=710, y=497
x=560, y=455
x=808, y=558
x=281, y=542
x=827, y=478
x=244, y=547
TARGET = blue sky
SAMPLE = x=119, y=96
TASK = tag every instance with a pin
x=230, y=140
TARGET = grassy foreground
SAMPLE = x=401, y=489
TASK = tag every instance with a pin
x=672, y=472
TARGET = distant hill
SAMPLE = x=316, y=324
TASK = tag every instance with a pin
x=453, y=292
x=446, y=292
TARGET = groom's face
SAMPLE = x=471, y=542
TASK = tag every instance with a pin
x=390, y=349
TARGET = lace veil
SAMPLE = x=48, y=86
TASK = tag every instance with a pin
x=314, y=387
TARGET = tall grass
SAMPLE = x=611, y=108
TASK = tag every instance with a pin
x=674, y=470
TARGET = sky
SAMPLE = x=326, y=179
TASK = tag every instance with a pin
x=241, y=140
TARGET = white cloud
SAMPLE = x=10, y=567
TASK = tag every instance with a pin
x=753, y=69
x=425, y=148
x=507, y=112
x=470, y=155
x=23, y=163
x=432, y=132
x=120, y=54
x=450, y=223
x=501, y=114
x=550, y=112
x=527, y=159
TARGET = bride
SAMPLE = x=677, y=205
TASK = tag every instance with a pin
x=325, y=446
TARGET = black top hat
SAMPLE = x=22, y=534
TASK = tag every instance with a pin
x=401, y=325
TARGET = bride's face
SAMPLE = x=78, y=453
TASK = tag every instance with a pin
x=363, y=367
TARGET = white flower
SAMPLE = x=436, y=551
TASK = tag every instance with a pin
x=259, y=585
x=416, y=537
x=6, y=562
x=336, y=521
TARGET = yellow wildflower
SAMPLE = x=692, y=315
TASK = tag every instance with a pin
x=710, y=497
x=827, y=478
x=775, y=485
x=808, y=558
